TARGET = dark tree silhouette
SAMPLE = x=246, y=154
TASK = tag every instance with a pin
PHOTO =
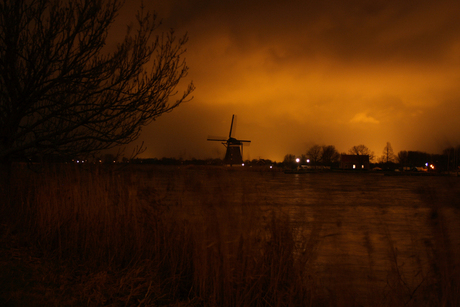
x=452, y=155
x=289, y=160
x=329, y=155
x=388, y=154
x=361, y=150
x=418, y=158
x=64, y=91
x=314, y=154
x=403, y=158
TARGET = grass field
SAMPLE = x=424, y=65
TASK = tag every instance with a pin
x=150, y=237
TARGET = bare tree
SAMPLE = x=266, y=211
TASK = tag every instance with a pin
x=289, y=158
x=64, y=91
x=314, y=154
x=329, y=155
x=388, y=155
x=361, y=150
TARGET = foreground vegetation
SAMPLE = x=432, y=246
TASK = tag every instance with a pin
x=156, y=238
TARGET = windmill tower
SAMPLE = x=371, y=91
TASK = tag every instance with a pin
x=234, y=153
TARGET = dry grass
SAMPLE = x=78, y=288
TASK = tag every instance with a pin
x=137, y=238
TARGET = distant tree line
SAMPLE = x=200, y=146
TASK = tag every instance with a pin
x=315, y=156
x=325, y=155
x=318, y=155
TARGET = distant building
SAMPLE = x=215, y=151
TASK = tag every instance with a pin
x=354, y=162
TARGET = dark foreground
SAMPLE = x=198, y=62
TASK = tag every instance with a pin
x=226, y=237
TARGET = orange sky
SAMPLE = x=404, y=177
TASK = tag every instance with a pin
x=313, y=72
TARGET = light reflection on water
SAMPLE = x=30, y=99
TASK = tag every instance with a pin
x=369, y=228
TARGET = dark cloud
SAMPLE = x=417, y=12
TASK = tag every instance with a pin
x=348, y=29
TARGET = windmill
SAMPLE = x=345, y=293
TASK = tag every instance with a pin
x=234, y=154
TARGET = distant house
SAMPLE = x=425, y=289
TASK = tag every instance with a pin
x=354, y=162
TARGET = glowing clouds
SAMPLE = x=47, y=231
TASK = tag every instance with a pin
x=303, y=72
x=363, y=118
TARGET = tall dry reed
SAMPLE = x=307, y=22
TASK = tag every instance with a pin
x=211, y=253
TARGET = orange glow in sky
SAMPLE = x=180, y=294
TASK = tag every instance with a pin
x=300, y=73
